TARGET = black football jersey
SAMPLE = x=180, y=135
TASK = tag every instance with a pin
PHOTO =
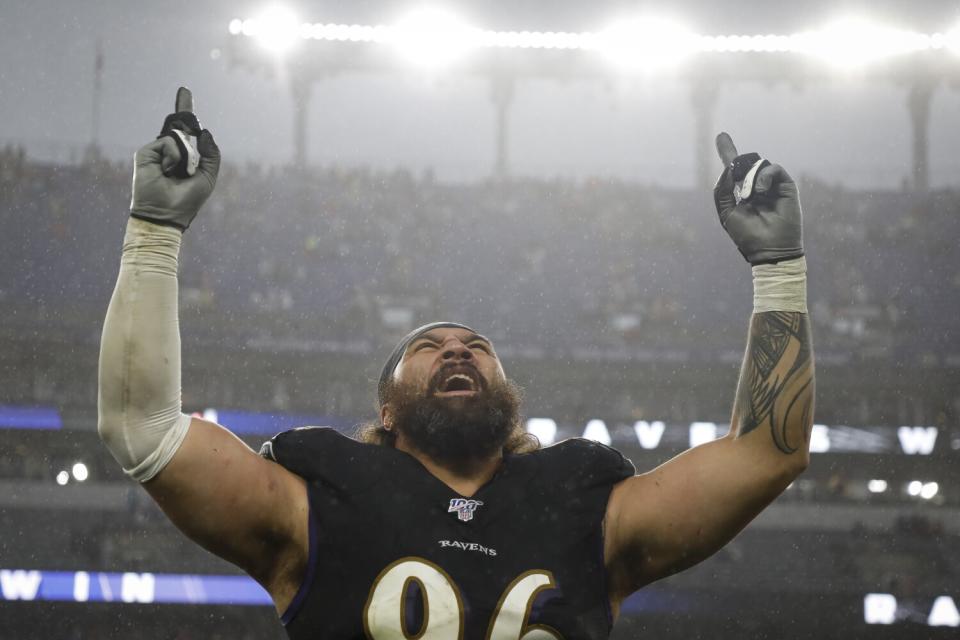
x=396, y=554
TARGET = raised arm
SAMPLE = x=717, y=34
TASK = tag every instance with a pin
x=678, y=514
x=216, y=489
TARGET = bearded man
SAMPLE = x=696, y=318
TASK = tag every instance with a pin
x=445, y=520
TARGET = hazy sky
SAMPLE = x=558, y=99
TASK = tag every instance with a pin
x=847, y=131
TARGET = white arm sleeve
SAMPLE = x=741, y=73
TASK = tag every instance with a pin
x=140, y=419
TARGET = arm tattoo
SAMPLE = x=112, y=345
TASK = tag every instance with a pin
x=776, y=382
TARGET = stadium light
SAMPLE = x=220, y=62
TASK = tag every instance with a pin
x=769, y=43
x=433, y=37
x=929, y=490
x=63, y=478
x=544, y=428
x=852, y=43
x=80, y=472
x=877, y=486
x=535, y=39
x=915, y=487
x=277, y=29
x=952, y=40
x=647, y=44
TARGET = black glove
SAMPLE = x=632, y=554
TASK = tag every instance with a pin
x=166, y=190
x=759, y=206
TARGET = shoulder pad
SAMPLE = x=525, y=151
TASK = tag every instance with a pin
x=578, y=463
x=326, y=455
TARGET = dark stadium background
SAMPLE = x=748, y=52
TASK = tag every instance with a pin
x=590, y=253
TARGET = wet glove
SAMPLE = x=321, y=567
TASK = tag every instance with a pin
x=759, y=206
x=175, y=174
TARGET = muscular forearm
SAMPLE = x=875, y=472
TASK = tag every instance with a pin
x=776, y=389
x=140, y=419
x=775, y=395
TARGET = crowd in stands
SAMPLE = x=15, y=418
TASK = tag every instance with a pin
x=352, y=254
x=286, y=264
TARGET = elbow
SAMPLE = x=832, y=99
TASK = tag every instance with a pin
x=797, y=462
x=108, y=428
x=801, y=457
x=802, y=462
x=108, y=418
x=786, y=466
x=781, y=476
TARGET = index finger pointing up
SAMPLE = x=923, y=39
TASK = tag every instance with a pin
x=726, y=148
x=184, y=100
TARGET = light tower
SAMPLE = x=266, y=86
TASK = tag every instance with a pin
x=92, y=152
x=709, y=64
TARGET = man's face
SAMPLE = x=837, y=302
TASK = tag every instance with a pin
x=450, y=399
x=449, y=363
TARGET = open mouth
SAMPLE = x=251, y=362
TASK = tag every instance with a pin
x=458, y=384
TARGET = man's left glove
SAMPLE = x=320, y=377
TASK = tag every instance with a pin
x=172, y=178
x=759, y=206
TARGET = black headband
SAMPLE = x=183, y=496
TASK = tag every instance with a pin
x=401, y=347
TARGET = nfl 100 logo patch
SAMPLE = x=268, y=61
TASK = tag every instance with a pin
x=464, y=508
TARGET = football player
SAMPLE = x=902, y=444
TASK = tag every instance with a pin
x=444, y=520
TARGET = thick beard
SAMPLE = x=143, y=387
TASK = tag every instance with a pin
x=457, y=432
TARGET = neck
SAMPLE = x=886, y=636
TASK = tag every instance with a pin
x=464, y=479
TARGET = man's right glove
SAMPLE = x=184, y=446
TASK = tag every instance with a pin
x=170, y=186
x=759, y=206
